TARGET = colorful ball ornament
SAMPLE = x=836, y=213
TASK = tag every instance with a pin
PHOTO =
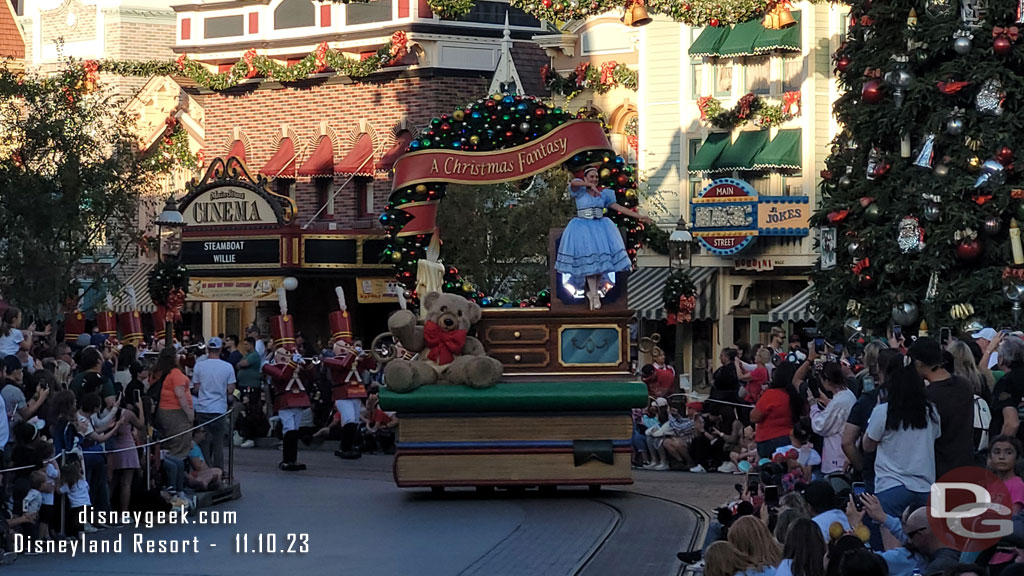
x=1004, y=155
x=1002, y=45
x=872, y=92
x=962, y=45
x=873, y=213
x=955, y=126
x=866, y=280
x=969, y=249
x=843, y=63
x=992, y=226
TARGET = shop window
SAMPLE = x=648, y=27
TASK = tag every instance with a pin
x=494, y=13
x=607, y=39
x=697, y=78
x=792, y=73
x=723, y=79
x=625, y=139
x=756, y=71
x=294, y=14
x=324, y=189
x=368, y=12
x=223, y=27
x=284, y=187
x=792, y=184
x=759, y=181
x=696, y=180
x=364, y=197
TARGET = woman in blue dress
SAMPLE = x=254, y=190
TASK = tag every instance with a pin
x=591, y=247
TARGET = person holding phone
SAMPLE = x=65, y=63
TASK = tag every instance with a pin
x=828, y=415
x=12, y=338
x=124, y=458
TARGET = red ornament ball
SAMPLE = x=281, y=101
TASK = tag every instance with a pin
x=867, y=280
x=547, y=3
x=713, y=22
x=1002, y=45
x=843, y=63
x=622, y=179
x=1004, y=155
x=872, y=91
x=969, y=249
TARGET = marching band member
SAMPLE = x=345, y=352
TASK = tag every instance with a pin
x=347, y=387
x=291, y=397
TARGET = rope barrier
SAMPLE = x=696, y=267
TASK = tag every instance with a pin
x=146, y=445
x=698, y=397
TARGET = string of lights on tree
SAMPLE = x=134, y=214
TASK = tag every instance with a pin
x=495, y=123
x=253, y=65
x=921, y=192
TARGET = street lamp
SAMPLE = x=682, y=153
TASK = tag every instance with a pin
x=680, y=244
x=170, y=224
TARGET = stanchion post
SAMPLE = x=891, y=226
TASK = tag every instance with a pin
x=231, y=445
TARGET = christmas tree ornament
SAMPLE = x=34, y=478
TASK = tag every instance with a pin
x=873, y=213
x=1015, y=243
x=905, y=313
x=1004, y=155
x=1019, y=212
x=842, y=63
x=990, y=98
x=932, y=212
x=972, y=12
x=962, y=42
x=955, y=126
x=912, y=19
x=927, y=152
x=877, y=166
x=968, y=249
x=933, y=287
x=853, y=246
x=1003, y=39
x=872, y=91
x=853, y=307
x=941, y=170
x=939, y=8
x=866, y=280
x=974, y=163
x=844, y=181
x=992, y=226
x=911, y=235
x=922, y=332
x=992, y=174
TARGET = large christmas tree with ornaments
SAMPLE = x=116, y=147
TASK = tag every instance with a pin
x=921, y=197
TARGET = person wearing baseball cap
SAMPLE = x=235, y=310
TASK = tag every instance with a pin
x=214, y=380
x=950, y=394
x=985, y=338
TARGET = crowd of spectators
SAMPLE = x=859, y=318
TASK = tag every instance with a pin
x=838, y=452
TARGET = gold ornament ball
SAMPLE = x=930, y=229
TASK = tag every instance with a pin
x=396, y=256
x=496, y=97
x=974, y=163
x=630, y=194
x=474, y=140
x=467, y=287
x=458, y=115
x=605, y=172
x=557, y=7
x=421, y=189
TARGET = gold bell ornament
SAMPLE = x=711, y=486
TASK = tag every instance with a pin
x=779, y=17
x=636, y=14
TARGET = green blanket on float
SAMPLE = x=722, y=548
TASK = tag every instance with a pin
x=519, y=397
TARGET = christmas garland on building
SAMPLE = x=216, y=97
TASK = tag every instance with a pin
x=601, y=79
x=472, y=128
x=168, y=285
x=253, y=65
x=679, y=297
x=749, y=108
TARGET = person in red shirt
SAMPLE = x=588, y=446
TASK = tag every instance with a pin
x=659, y=377
x=755, y=380
x=778, y=408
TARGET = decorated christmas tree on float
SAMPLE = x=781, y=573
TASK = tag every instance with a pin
x=921, y=200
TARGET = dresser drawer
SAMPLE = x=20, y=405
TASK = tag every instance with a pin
x=513, y=358
x=516, y=334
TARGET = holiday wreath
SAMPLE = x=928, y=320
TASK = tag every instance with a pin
x=495, y=123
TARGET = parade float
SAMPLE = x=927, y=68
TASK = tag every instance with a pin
x=495, y=393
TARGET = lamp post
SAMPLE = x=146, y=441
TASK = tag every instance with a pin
x=170, y=225
x=680, y=245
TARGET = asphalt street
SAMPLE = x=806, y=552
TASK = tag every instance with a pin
x=347, y=517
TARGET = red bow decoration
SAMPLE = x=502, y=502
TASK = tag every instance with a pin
x=321, y=57
x=444, y=344
x=866, y=21
x=607, y=72
x=1013, y=273
x=248, y=58
x=744, y=105
x=399, y=45
x=181, y=62
x=544, y=71
x=1010, y=32
x=703, y=103
x=581, y=73
x=861, y=265
x=789, y=100
x=838, y=216
x=873, y=72
x=952, y=87
x=687, y=304
x=1017, y=194
x=981, y=199
x=866, y=201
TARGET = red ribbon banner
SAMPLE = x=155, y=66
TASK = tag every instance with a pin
x=510, y=164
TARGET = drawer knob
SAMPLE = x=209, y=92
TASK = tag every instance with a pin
x=517, y=333
x=517, y=358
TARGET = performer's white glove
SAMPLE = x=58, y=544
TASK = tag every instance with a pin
x=297, y=358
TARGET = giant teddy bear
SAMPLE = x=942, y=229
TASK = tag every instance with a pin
x=446, y=353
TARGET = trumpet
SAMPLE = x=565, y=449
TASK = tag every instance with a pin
x=201, y=347
x=314, y=360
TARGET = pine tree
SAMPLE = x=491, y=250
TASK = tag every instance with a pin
x=920, y=186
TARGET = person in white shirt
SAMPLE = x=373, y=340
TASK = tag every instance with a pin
x=829, y=415
x=985, y=337
x=822, y=499
x=214, y=381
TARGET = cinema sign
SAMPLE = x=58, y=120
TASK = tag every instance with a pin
x=227, y=196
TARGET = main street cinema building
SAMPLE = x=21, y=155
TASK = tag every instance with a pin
x=309, y=139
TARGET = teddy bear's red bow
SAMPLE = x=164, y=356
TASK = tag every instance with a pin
x=444, y=344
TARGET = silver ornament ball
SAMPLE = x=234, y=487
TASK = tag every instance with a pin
x=932, y=212
x=525, y=127
x=962, y=46
x=844, y=181
x=853, y=247
x=955, y=126
x=905, y=313
x=992, y=226
x=941, y=170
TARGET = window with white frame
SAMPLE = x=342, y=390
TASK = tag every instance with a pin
x=607, y=39
x=294, y=14
x=792, y=72
x=756, y=70
x=696, y=180
x=723, y=78
x=759, y=181
x=367, y=12
x=697, y=77
x=364, y=197
x=792, y=183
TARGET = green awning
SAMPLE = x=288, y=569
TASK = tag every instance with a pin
x=708, y=152
x=708, y=42
x=740, y=156
x=787, y=38
x=741, y=39
x=782, y=152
